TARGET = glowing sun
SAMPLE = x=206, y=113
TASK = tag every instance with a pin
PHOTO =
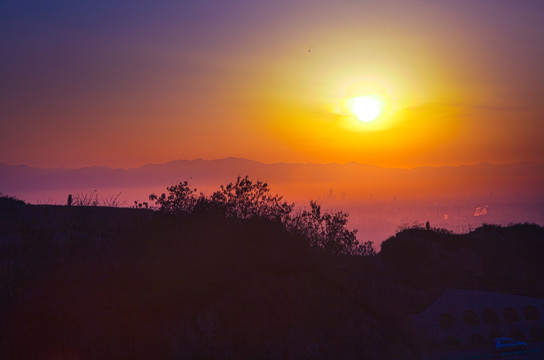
x=365, y=108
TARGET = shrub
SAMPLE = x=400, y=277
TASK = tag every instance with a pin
x=246, y=199
x=180, y=200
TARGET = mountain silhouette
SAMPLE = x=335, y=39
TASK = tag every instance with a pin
x=358, y=180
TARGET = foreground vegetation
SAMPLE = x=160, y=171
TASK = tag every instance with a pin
x=226, y=276
x=247, y=199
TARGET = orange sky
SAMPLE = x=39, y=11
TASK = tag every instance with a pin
x=128, y=83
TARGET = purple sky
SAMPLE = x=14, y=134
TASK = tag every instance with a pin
x=124, y=83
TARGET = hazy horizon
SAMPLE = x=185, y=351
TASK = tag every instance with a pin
x=98, y=165
x=379, y=200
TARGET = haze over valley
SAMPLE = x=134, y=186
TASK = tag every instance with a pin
x=380, y=201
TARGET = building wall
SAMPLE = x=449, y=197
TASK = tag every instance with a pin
x=465, y=318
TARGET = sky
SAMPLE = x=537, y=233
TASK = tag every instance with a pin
x=127, y=83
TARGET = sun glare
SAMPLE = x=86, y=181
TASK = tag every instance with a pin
x=366, y=108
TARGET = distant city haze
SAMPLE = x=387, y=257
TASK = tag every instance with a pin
x=380, y=201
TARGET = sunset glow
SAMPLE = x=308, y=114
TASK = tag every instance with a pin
x=366, y=108
x=270, y=81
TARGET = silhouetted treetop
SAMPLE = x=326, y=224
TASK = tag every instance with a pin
x=181, y=199
x=246, y=198
x=329, y=231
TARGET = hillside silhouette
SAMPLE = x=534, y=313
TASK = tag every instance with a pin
x=95, y=282
x=494, y=258
x=378, y=199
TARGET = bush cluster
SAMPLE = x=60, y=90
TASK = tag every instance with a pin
x=246, y=199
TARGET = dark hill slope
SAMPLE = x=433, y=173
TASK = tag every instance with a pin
x=97, y=283
x=494, y=258
x=104, y=283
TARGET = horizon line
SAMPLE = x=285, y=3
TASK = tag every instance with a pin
x=274, y=163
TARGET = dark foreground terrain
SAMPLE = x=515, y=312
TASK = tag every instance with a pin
x=109, y=283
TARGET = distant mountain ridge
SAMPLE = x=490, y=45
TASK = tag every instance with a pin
x=524, y=179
